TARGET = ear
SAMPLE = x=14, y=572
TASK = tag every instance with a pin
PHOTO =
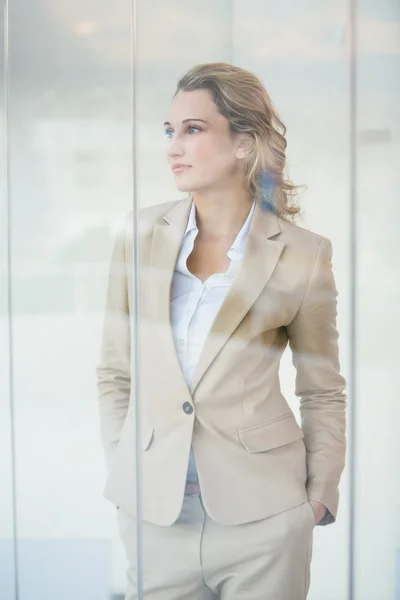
x=244, y=146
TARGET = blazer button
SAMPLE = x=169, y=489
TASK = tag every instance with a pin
x=187, y=408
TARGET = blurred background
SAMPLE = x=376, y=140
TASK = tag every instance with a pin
x=67, y=168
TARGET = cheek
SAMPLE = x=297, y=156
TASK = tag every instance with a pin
x=210, y=151
x=202, y=148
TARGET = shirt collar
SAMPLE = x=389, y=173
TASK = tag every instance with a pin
x=192, y=224
x=239, y=244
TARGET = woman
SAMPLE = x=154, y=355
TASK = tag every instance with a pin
x=232, y=486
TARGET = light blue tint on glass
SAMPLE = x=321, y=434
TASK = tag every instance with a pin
x=62, y=569
x=398, y=576
x=7, y=587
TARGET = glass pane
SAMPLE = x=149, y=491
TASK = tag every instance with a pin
x=70, y=157
x=7, y=542
x=299, y=52
x=377, y=441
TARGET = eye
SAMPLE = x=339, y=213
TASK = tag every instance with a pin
x=191, y=127
x=168, y=132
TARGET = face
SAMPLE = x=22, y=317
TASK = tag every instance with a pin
x=199, y=139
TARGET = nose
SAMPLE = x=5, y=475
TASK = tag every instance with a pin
x=175, y=148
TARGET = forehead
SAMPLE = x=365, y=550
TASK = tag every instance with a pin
x=197, y=104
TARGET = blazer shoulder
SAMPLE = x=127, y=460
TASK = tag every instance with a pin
x=150, y=215
x=155, y=212
x=300, y=238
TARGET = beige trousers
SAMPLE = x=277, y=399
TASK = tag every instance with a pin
x=198, y=559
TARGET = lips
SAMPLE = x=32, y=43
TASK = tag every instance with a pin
x=178, y=167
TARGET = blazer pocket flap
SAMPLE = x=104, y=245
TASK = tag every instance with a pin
x=267, y=436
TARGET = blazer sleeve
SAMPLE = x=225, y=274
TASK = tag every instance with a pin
x=313, y=339
x=113, y=371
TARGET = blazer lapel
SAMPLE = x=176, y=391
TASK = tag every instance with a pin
x=165, y=247
x=260, y=259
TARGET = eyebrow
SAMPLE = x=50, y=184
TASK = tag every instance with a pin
x=186, y=120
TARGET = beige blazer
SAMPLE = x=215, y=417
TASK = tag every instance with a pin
x=252, y=457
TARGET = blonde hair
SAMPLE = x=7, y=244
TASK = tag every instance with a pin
x=241, y=97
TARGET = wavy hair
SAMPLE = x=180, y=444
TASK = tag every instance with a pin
x=242, y=99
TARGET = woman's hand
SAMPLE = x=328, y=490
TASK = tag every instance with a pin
x=319, y=510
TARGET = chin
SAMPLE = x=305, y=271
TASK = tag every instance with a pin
x=182, y=187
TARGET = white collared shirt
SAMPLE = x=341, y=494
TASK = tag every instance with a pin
x=195, y=304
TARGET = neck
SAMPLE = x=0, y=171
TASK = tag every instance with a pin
x=221, y=215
